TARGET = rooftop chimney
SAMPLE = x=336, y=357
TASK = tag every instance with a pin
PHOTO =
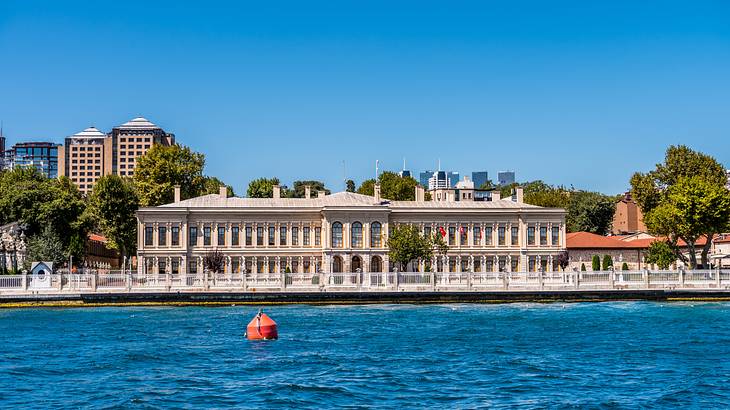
x=223, y=192
x=376, y=191
x=277, y=192
x=520, y=195
x=496, y=195
x=420, y=193
x=321, y=194
x=177, y=193
x=307, y=192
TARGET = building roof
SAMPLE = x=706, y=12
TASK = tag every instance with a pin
x=138, y=123
x=90, y=132
x=340, y=199
x=587, y=240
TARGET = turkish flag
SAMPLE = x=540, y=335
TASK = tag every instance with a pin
x=461, y=230
x=442, y=231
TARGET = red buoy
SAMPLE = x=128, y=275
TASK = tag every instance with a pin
x=261, y=327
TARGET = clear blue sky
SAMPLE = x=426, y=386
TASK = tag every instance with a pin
x=571, y=92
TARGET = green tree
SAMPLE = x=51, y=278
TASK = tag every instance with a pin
x=46, y=247
x=392, y=186
x=607, y=262
x=684, y=198
x=112, y=205
x=596, y=263
x=590, y=212
x=488, y=184
x=299, y=188
x=214, y=261
x=162, y=167
x=262, y=188
x=406, y=244
x=563, y=260
x=212, y=185
x=350, y=185
x=660, y=253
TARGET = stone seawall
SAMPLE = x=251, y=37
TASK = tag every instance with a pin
x=264, y=298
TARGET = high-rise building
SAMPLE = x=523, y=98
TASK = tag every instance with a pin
x=40, y=155
x=133, y=139
x=479, y=178
x=506, y=177
x=85, y=157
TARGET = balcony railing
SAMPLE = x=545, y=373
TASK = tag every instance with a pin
x=91, y=281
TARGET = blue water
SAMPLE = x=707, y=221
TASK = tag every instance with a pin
x=449, y=356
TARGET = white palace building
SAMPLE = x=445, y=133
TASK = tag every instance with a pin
x=345, y=232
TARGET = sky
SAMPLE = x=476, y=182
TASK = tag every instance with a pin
x=570, y=92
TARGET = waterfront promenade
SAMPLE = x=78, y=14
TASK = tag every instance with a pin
x=369, y=286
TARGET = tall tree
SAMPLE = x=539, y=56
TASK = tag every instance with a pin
x=299, y=188
x=684, y=198
x=392, y=186
x=163, y=167
x=262, y=188
x=350, y=185
x=46, y=247
x=112, y=205
x=212, y=185
x=406, y=243
x=590, y=212
x=661, y=254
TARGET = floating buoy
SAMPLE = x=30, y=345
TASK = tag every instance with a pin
x=261, y=327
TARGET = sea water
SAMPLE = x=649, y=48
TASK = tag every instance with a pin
x=627, y=354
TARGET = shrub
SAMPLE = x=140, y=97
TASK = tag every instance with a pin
x=596, y=263
x=582, y=267
x=625, y=266
x=607, y=262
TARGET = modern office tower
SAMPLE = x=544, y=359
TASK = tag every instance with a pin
x=423, y=178
x=40, y=155
x=479, y=178
x=85, y=157
x=133, y=139
x=451, y=177
x=506, y=177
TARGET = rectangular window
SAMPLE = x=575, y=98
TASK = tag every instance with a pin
x=477, y=237
x=206, y=236
x=161, y=266
x=555, y=236
x=235, y=265
x=221, y=236
x=500, y=235
x=531, y=264
x=259, y=236
x=317, y=236
x=271, y=238
x=427, y=231
x=235, y=236
x=282, y=236
x=148, y=236
x=162, y=236
x=295, y=236
x=543, y=235
x=175, y=235
x=515, y=264
x=489, y=265
x=530, y=235
x=463, y=239
x=249, y=236
x=488, y=236
x=305, y=238
x=193, y=267
x=452, y=236
x=515, y=236
x=175, y=266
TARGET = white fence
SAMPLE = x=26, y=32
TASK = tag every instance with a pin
x=116, y=281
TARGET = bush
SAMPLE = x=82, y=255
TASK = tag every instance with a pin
x=596, y=263
x=582, y=267
x=607, y=262
x=625, y=266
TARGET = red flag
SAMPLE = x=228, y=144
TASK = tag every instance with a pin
x=461, y=230
x=442, y=231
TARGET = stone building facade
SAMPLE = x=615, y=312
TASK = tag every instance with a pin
x=343, y=232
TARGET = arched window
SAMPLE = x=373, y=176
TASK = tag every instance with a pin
x=356, y=235
x=337, y=264
x=356, y=264
x=376, y=264
x=337, y=235
x=376, y=237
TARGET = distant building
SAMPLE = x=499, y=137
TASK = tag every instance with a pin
x=2, y=145
x=479, y=178
x=627, y=217
x=85, y=157
x=405, y=173
x=40, y=155
x=451, y=177
x=465, y=190
x=133, y=139
x=506, y=178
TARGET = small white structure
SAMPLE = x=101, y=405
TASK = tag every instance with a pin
x=40, y=275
